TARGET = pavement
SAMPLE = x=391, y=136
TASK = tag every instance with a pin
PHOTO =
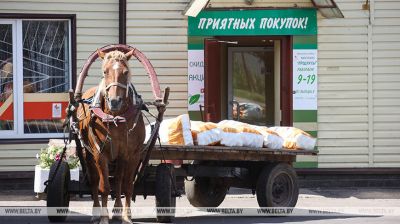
x=319, y=199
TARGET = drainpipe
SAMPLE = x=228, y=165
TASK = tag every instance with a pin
x=370, y=86
x=122, y=21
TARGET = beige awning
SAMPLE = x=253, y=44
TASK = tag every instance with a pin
x=194, y=7
x=328, y=8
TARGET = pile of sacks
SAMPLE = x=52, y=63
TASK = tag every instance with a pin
x=182, y=131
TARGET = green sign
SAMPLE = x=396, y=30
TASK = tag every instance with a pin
x=254, y=22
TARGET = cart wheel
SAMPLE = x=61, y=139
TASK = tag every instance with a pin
x=205, y=191
x=165, y=192
x=57, y=190
x=277, y=186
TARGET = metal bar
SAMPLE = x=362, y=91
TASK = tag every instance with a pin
x=37, y=29
x=44, y=38
x=5, y=35
x=52, y=42
x=41, y=91
x=45, y=55
x=26, y=32
x=62, y=43
x=44, y=64
x=5, y=43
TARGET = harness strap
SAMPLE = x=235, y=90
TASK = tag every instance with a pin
x=96, y=140
x=107, y=118
x=95, y=107
x=116, y=84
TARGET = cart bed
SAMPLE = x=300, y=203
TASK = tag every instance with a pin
x=172, y=152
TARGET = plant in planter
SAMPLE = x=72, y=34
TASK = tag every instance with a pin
x=47, y=157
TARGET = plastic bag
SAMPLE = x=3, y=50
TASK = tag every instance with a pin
x=205, y=133
x=236, y=133
x=295, y=138
x=272, y=140
x=174, y=131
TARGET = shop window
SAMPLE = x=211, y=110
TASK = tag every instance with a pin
x=35, y=69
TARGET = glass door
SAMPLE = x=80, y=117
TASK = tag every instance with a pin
x=8, y=84
x=251, y=85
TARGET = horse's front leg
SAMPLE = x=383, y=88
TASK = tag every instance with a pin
x=94, y=186
x=118, y=175
x=104, y=187
x=128, y=189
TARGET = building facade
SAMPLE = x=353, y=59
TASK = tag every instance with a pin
x=355, y=113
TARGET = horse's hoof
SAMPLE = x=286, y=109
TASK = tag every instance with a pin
x=126, y=220
x=95, y=220
x=104, y=220
x=117, y=217
x=117, y=213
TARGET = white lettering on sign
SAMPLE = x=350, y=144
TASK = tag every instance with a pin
x=252, y=21
x=223, y=24
x=280, y=23
x=238, y=23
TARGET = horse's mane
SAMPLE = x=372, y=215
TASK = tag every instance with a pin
x=114, y=55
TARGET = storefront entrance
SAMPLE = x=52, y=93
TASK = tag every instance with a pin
x=245, y=80
x=251, y=85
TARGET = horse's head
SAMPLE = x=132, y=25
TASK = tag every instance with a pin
x=116, y=79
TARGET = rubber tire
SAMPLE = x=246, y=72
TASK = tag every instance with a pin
x=265, y=185
x=57, y=190
x=165, y=191
x=205, y=191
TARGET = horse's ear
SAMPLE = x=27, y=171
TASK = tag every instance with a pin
x=100, y=53
x=129, y=55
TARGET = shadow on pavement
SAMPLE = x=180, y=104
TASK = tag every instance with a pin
x=359, y=193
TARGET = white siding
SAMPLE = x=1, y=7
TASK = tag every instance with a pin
x=359, y=89
x=386, y=85
x=97, y=25
x=343, y=88
x=159, y=30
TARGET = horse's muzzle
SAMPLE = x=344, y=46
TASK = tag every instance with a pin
x=115, y=103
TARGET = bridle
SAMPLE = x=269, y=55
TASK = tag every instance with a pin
x=128, y=86
x=102, y=92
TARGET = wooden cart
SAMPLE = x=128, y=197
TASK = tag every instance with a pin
x=206, y=175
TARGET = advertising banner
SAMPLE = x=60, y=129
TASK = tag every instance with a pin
x=254, y=22
x=195, y=79
x=305, y=79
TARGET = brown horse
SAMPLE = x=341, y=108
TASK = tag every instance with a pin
x=112, y=142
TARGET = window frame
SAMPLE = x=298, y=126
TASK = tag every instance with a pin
x=16, y=20
x=14, y=59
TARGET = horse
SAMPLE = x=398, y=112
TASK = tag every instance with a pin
x=112, y=142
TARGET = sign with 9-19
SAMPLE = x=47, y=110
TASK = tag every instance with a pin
x=305, y=79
